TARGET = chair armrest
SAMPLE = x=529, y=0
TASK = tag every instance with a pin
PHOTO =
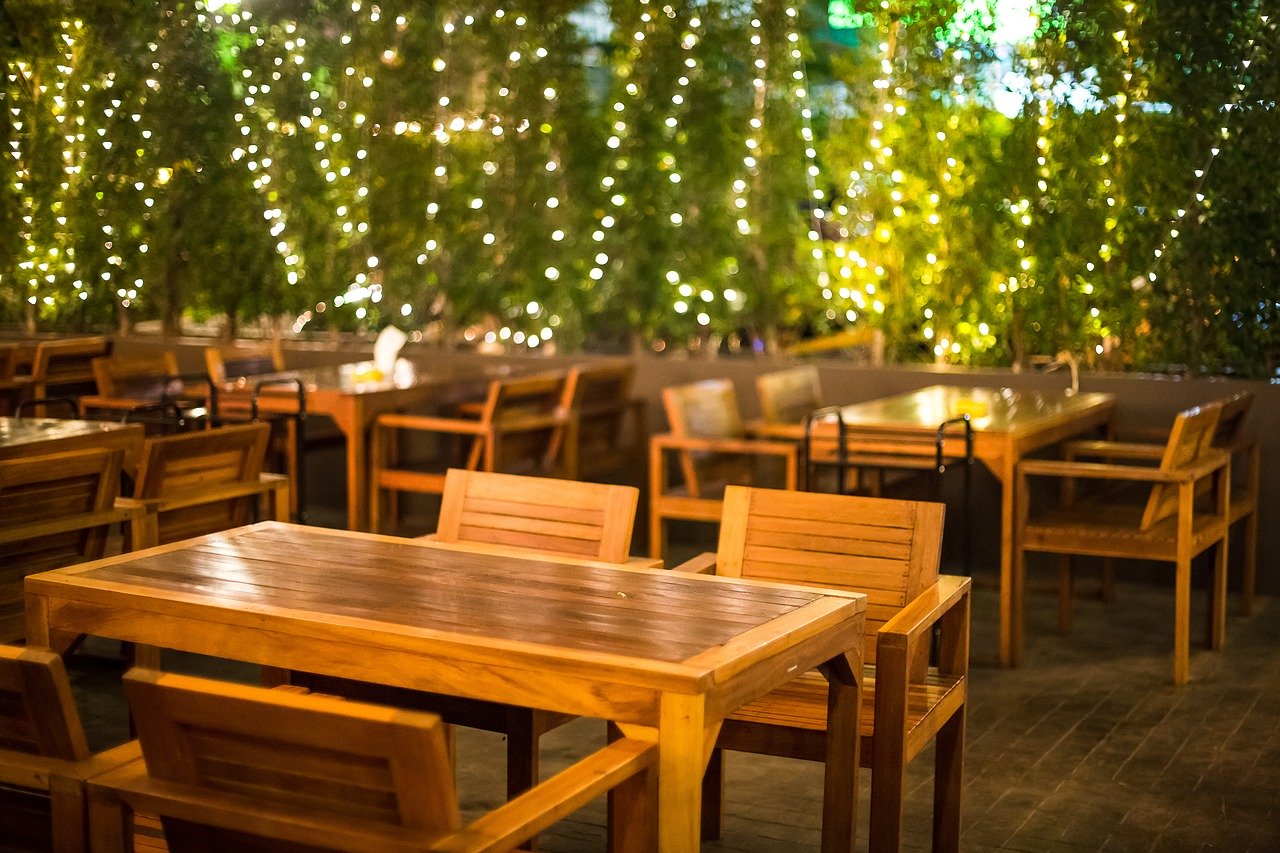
x=917, y=618
x=142, y=516
x=546, y=803
x=1114, y=449
x=83, y=521
x=703, y=564
x=1103, y=471
x=743, y=446
x=264, y=484
x=427, y=423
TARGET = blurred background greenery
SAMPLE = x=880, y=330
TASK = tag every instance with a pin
x=974, y=181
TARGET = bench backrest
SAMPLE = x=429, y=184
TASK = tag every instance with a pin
x=66, y=366
x=138, y=377
x=591, y=520
x=272, y=763
x=183, y=466
x=888, y=549
x=235, y=360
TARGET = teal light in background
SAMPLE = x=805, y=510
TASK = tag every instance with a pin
x=842, y=16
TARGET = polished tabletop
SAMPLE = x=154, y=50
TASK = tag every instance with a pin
x=16, y=432
x=666, y=655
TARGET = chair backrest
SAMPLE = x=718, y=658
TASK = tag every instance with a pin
x=8, y=362
x=1232, y=420
x=282, y=762
x=527, y=416
x=37, y=714
x=706, y=409
x=888, y=549
x=235, y=360
x=788, y=396
x=183, y=466
x=591, y=520
x=137, y=377
x=59, y=490
x=600, y=395
x=1189, y=441
x=66, y=366
x=39, y=732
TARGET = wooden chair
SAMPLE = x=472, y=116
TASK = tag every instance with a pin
x=44, y=758
x=57, y=511
x=893, y=459
x=890, y=550
x=712, y=451
x=64, y=368
x=525, y=516
x=231, y=767
x=203, y=482
x=610, y=425
x=788, y=396
x=1235, y=436
x=10, y=387
x=231, y=361
x=542, y=515
x=1167, y=524
x=147, y=385
x=522, y=428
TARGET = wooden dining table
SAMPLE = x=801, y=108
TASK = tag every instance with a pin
x=1007, y=425
x=352, y=395
x=664, y=655
x=24, y=437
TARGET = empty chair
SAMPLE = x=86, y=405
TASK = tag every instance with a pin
x=259, y=366
x=203, y=482
x=64, y=368
x=610, y=427
x=519, y=515
x=592, y=521
x=1165, y=522
x=520, y=429
x=711, y=449
x=788, y=396
x=11, y=387
x=889, y=550
x=147, y=389
x=58, y=510
x=233, y=767
x=848, y=452
x=44, y=758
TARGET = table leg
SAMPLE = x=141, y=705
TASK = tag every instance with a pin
x=1010, y=589
x=351, y=422
x=682, y=748
x=840, y=792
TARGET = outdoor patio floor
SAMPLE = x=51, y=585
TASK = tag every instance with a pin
x=1087, y=746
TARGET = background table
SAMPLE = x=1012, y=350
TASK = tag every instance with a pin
x=23, y=437
x=353, y=395
x=665, y=655
x=1007, y=425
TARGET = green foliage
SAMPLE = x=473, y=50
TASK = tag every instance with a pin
x=674, y=174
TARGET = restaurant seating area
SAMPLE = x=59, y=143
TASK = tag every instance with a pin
x=823, y=626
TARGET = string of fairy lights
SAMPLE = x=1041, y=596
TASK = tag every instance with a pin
x=341, y=139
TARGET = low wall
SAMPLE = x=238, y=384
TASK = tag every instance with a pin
x=1143, y=400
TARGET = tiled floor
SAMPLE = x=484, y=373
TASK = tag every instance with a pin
x=1088, y=746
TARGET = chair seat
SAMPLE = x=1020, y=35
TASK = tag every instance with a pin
x=1113, y=530
x=801, y=703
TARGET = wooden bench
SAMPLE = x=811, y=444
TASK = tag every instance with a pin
x=889, y=550
x=230, y=766
x=44, y=759
x=203, y=482
x=64, y=368
x=1165, y=522
x=58, y=510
